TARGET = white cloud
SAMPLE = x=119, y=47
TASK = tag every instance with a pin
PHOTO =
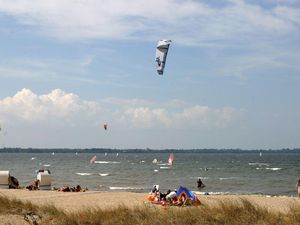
x=190, y=22
x=267, y=60
x=47, y=69
x=92, y=18
x=127, y=102
x=57, y=106
x=289, y=14
x=196, y=117
x=68, y=109
x=61, y=119
x=281, y=1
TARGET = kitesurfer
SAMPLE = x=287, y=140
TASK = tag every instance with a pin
x=200, y=184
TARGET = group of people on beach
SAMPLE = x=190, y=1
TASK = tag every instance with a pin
x=35, y=185
x=172, y=197
x=156, y=195
x=71, y=189
x=169, y=197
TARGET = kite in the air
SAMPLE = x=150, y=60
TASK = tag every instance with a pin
x=161, y=55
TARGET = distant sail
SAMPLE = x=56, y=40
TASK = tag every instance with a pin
x=93, y=159
x=171, y=159
x=162, y=49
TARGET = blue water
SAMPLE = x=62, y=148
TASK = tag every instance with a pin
x=234, y=173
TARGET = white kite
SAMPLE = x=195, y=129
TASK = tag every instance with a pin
x=161, y=55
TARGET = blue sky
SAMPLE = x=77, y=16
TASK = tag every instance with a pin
x=231, y=80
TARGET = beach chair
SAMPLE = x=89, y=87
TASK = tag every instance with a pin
x=44, y=178
x=4, y=179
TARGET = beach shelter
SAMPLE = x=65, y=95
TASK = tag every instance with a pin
x=4, y=179
x=44, y=178
x=185, y=193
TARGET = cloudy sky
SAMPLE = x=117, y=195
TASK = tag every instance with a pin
x=232, y=79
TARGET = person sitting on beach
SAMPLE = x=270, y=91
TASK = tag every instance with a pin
x=180, y=200
x=298, y=187
x=72, y=189
x=155, y=189
x=65, y=189
x=33, y=186
x=200, y=184
x=78, y=188
x=13, y=182
x=171, y=197
x=163, y=195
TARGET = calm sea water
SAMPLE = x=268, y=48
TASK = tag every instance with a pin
x=243, y=173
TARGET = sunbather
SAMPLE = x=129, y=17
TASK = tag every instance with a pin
x=33, y=186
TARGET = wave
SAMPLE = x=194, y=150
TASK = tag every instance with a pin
x=273, y=168
x=126, y=188
x=155, y=170
x=46, y=165
x=162, y=164
x=105, y=162
x=228, y=178
x=258, y=164
x=212, y=193
x=103, y=174
x=84, y=174
x=268, y=168
x=164, y=167
x=202, y=178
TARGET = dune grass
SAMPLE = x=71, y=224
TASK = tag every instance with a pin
x=225, y=213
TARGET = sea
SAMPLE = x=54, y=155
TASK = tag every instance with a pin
x=222, y=173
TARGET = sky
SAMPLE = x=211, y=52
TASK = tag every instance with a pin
x=231, y=80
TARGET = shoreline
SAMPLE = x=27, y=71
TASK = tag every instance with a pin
x=78, y=201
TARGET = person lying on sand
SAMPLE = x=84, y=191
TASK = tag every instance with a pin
x=33, y=186
x=72, y=189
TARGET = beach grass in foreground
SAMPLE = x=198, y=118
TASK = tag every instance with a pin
x=19, y=212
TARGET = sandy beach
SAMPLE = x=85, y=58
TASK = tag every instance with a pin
x=70, y=202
